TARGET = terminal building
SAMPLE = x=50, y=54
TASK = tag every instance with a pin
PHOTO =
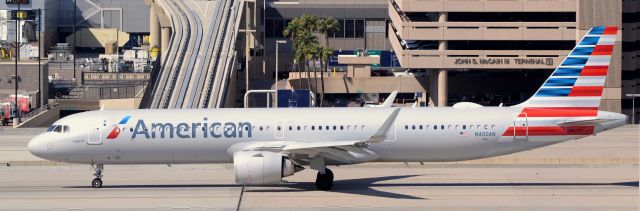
x=436, y=52
x=488, y=52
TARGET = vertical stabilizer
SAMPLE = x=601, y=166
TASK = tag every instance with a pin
x=577, y=84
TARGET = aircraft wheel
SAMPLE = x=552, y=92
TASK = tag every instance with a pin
x=96, y=183
x=324, y=181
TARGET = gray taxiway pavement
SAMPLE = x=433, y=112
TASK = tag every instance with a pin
x=596, y=173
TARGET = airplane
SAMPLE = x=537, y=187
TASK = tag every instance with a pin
x=267, y=144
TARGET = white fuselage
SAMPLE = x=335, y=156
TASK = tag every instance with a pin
x=207, y=135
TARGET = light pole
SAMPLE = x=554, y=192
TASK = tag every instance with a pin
x=75, y=12
x=633, y=107
x=17, y=45
x=277, y=65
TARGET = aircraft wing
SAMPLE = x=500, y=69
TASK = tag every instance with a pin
x=346, y=152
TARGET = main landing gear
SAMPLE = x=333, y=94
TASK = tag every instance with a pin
x=324, y=181
x=97, y=182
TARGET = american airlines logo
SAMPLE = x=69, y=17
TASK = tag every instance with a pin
x=115, y=132
x=204, y=129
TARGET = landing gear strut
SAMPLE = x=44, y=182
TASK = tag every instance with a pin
x=324, y=181
x=97, y=182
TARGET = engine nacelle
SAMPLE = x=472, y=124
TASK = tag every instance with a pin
x=262, y=167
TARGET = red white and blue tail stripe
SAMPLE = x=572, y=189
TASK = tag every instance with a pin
x=573, y=91
x=579, y=80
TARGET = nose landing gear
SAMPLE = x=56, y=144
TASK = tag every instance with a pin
x=97, y=182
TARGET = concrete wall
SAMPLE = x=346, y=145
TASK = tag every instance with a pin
x=116, y=104
x=44, y=119
x=27, y=80
x=135, y=15
x=341, y=84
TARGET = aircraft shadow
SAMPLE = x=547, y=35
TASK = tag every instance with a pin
x=365, y=186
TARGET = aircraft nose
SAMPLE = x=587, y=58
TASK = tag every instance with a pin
x=38, y=147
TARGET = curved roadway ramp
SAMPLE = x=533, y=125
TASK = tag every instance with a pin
x=196, y=68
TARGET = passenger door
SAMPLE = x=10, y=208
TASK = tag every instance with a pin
x=520, y=127
x=94, y=137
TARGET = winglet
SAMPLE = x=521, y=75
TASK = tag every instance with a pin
x=381, y=133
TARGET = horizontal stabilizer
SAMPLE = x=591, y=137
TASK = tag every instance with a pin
x=590, y=122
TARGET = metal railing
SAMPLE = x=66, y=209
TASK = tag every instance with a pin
x=107, y=90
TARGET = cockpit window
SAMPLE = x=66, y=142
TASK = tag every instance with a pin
x=58, y=128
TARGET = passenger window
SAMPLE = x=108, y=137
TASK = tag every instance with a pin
x=442, y=127
x=486, y=127
x=327, y=127
x=493, y=127
x=413, y=127
x=319, y=127
x=261, y=128
x=420, y=127
x=471, y=127
x=313, y=127
x=406, y=127
x=435, y=127
x=449, y=127
x=457, y=127
x=290, y=127
x=348, y=127
x=279, y=128
x=479, y=127
x=298, y=127
x=464, y=127
x=334, y=127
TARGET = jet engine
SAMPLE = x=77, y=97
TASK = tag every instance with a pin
x=262, y=167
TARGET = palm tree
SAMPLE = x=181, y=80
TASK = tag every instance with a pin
x=324, y=55
x=324, y=26
x=303, y=47
x=309, y=26
x=291, y=31
x=307, y=49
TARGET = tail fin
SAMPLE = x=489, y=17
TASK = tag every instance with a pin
x=578, y=82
